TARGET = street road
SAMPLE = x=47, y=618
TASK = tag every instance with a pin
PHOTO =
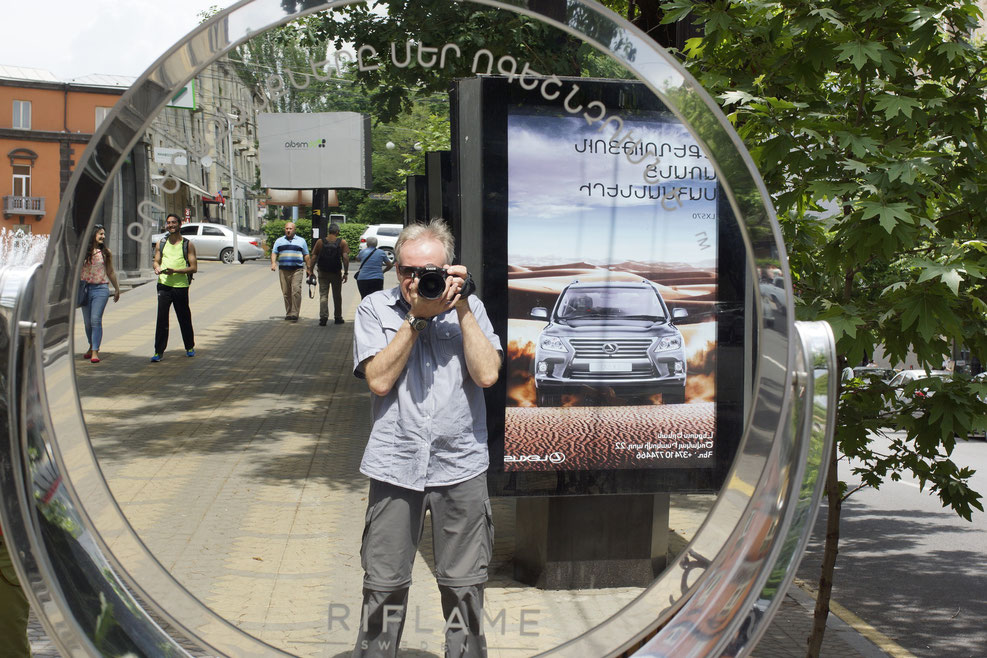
x=915, y=571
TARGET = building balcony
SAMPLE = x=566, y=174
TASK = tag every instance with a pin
x=23, y=205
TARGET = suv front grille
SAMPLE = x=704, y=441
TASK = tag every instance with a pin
x=626, y=348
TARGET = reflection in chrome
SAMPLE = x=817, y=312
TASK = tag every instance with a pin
x=78, y=555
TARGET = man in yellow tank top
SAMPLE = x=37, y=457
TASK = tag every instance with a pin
x=174, y=275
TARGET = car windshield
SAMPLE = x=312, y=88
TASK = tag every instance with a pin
x=610, y=302
x=903, y=378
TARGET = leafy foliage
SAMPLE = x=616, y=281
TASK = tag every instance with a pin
x=351, y=232
x=472, y=27
x=866, y=120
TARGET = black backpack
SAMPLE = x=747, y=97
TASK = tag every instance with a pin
x=161, y=246
x=330, y=257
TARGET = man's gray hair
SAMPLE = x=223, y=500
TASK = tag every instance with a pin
x=436, y=229
x=371, y=242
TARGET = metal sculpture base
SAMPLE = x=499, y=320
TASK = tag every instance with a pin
x=588, y=542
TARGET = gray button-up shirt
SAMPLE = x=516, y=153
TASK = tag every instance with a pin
x=430, y=430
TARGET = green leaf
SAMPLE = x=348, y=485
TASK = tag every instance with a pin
x=737, y=96
x=843, y=324
x=888, y=214
x=861, y=145
x=694, y=47
x=893, y=105
x=675, y=11
x=860, y=52
x=948, y=275
x=829, y=15
x=855, y=166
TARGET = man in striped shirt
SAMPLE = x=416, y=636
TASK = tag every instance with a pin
x=290, y=257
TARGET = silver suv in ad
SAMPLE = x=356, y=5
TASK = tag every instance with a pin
x=616, y=334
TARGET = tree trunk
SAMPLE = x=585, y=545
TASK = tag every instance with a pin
x=830, y=551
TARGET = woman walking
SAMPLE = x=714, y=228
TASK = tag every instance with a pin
x=97, y=273
x=373, y=263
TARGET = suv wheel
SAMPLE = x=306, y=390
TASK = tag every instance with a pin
x=673, y=396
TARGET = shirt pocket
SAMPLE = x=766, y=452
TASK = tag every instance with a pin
x=448, y=341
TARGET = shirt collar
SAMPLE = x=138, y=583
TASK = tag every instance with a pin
x=395, y=299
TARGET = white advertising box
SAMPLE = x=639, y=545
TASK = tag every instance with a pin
x=308, y=151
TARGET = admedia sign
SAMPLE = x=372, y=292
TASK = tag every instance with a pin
x=308, y=151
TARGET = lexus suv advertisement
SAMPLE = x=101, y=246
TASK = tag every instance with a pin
x=611, y=334
x=612, y=294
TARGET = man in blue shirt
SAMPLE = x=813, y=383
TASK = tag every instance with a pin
x=426, y=362
x=290, y=257
x=373, y=263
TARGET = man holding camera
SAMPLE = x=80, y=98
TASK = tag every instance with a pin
x=426, y=349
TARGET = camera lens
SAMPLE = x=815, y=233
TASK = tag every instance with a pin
x=432, y=283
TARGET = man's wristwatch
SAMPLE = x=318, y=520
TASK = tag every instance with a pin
x=418, y=324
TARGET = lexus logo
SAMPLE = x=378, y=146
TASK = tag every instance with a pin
x=610, y=348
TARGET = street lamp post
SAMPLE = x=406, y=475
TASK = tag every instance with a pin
x=229, y=145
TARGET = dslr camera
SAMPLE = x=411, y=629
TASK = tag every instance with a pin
x=312, y=281
x=432, y=283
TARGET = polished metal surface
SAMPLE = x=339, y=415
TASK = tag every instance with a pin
x=699, y=604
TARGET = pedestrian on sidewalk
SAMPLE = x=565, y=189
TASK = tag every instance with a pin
x=374, y=263
x=426, y=362
x=174, y=263
x=290, y=257
x=97, y=274
x=332, y=256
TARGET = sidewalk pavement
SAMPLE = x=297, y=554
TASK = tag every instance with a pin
x=239, y=470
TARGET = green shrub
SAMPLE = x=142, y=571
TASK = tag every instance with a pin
x=351, y=232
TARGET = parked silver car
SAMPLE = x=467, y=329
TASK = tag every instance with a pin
x=215, y=242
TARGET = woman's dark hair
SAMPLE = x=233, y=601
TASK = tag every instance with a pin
x=92, y=245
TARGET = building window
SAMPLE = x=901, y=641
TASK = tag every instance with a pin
x=22, y=180
x=22, y=115
x=101, y=113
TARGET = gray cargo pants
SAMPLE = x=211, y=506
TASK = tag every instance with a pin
x=462, y=537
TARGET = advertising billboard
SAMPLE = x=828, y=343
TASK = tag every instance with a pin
x=310, y=151
x=613, y=271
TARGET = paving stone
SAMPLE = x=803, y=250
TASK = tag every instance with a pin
x=239, y=470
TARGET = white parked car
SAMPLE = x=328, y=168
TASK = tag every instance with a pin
x=215, y=242
x=907, y=376
x=386, y=234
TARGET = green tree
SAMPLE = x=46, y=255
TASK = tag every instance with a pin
x=866, y=120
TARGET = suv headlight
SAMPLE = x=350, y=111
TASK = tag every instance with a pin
x=666, y=343
x=553, y=344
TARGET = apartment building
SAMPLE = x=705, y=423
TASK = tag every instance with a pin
x=45, y=125
x=204, y=155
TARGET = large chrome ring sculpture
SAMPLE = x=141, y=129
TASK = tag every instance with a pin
x=59, y=516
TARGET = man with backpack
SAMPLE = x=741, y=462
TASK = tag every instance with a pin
x=332, y=256
x=174, y=263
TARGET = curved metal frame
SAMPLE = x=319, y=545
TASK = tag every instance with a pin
x=766, y=502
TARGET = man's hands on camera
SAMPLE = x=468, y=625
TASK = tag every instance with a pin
x=451, y=298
